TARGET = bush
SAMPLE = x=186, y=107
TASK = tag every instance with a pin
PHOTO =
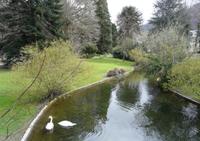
x=117, y=52
x=165, y=49
x=60, y=67
x=139, y=57
x=185, y=77
x=89, y=50
x=122, y=51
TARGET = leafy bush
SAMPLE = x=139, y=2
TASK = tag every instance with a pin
x=185, y=77
x=165, y=49
x=122, y=51
x=139, y=57
x=118, y=53
x=89, y=50
x=60, y=67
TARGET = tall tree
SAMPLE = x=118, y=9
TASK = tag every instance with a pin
x=105, y=40
x=114, y=35
x=27, y=21
x=169, y=13
x=129, y=21
x=80, y=22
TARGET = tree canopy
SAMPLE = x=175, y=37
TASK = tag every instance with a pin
x=27, y=21
x=169, y=13
x=105, y=40
x=129, y=21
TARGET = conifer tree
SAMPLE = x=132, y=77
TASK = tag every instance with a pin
x=129, y=22
x=28, y=21
x=169, y=13
x=114, y=35
x=105, y=40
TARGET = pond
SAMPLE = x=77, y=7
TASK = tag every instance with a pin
x=129, y=110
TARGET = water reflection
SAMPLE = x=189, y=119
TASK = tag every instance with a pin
x=131, y=110
x=144, y=92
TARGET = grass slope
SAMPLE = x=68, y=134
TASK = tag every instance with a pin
x=10, y=89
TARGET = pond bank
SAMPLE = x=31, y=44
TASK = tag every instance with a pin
x=129, y=110
x=31, y=126
x=9, y=90
x=192, y=100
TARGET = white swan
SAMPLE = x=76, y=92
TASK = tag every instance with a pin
x=50, y=124
x=66, y=123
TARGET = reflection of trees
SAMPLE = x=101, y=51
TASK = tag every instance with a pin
x=166, y=118
x=88, y=108
x=127, y=96
x=128, y=92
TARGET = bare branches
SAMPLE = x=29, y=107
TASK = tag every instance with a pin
x=81, y=23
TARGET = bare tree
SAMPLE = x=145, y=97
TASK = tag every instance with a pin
x=81, y=24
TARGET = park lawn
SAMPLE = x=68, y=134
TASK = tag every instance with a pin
x=98, y=67
x=24, y=112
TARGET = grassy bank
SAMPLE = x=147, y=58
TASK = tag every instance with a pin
x=185, y=78
x=10, y=89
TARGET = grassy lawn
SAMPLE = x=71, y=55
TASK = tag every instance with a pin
x=10, y=89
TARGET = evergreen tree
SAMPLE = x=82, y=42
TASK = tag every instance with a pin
x=129, y=21
x=114, y=35
x=53, y=14
x=169, y=13
x=105, y=40
x=27, y=21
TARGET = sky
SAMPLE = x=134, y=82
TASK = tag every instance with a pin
x=146, y=7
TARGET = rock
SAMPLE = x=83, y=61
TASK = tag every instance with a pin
x=115, y=72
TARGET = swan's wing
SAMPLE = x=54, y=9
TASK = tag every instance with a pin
x=66, y=123
x=49, y=126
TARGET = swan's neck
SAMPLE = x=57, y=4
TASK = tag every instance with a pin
x=51, y=119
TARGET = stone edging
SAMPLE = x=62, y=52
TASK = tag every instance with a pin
x=185, y=97
x=30, y=128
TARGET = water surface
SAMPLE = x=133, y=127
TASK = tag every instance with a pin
x=130, y=110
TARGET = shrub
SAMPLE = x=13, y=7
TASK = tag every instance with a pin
x=89, y=50
x=60, y=67
x=185, y=77
x=139, y=57
x=118, y=53
x=165, y=49
x=122, y=51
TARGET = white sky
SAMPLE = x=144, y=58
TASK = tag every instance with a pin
x=144, y=6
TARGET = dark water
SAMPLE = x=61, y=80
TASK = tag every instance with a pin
x=131, y=110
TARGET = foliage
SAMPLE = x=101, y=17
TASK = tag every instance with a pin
x=139, y=57
x=27, y=21
x=26, y=111
x=89, y=50
x=129, y=21
x=118, y=53
x=169, y=13
x=185, y=77
x=80, y=22
x=58, y=70
x=164, y=49
x=122, y=50
x=197, y=40
x=114, y=35
x=105, y=41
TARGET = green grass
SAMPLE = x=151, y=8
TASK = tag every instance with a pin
x=98, y=67
x=10, y=89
